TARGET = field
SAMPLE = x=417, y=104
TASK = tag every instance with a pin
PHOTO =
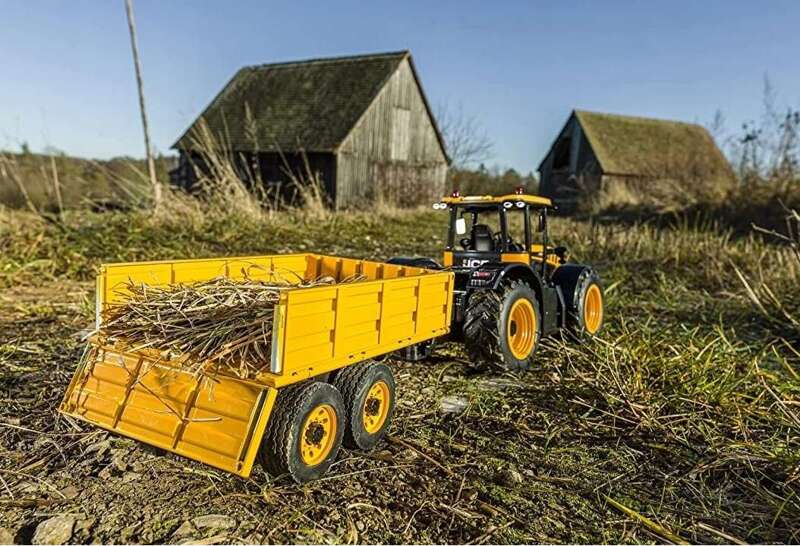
x=682, y=423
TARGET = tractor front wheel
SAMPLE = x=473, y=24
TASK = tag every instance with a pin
x=503, y=326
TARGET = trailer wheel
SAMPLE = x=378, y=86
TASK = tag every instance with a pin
x=368, y=391
x=503, y=326
x=304, y=433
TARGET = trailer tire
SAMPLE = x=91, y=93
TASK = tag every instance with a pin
x=368, y=391
x=503, y=326
x=304, y=433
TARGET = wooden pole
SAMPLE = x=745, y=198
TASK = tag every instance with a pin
x=151, y=166
x=57, y=185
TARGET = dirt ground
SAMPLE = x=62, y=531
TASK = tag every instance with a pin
x=445, y=475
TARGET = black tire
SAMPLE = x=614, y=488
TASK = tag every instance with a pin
x=355, y=383
x=577, y=325
x=284, y=437
x=486, y=325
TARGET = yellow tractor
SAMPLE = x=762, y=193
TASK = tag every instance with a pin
x=497, y=291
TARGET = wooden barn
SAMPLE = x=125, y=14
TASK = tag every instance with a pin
x=362, y=124
x=595, y=151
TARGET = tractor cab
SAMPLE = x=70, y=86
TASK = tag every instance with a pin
x=499, y=229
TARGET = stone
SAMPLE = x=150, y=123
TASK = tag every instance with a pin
x=509, y=477
x=186, y=529
x=6, y=536
x=70, y=492
x=129, y=477
x=497, y=384
x=454, y=404
x=215, y=522
x=57, y=530
x=216, y=539
x=119, y=459
x=99, y=448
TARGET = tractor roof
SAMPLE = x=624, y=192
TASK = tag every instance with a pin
x=494, y=199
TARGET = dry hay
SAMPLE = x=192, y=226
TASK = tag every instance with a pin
x=216, y=325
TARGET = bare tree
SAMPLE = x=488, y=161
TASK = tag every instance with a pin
x=151, y=166
x=466, y=141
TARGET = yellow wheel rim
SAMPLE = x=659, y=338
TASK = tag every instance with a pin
x=593, y=309
x=521, y=329
x=376, y=407
x=318, y=434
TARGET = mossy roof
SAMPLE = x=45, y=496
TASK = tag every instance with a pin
x=637, y=146
x=306, y=105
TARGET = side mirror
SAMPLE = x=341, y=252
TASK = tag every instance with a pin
x=542, y=223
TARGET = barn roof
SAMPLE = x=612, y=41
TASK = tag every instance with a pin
x=309, y=105
x=636, y=146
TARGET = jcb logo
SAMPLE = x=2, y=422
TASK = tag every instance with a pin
x=472, y=262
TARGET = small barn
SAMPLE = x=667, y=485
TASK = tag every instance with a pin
x=595, y=151
x=361, y=124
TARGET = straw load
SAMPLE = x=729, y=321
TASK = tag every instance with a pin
x=212, y=326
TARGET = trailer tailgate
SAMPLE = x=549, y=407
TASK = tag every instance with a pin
x=216, y=420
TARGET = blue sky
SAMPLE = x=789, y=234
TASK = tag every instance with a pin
x=67, y=77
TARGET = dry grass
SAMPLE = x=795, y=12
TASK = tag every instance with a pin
x=220, y=325
x=681, y=421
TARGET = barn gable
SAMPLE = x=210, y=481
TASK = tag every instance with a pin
x=307, y=105
x=593, y=148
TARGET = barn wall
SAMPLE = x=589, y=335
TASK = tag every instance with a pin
x=582, y=175
x=393, y=153
x=270, y=169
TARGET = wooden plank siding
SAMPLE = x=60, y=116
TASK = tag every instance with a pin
x=393, y=152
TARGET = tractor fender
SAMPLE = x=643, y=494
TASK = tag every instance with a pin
x=492, y=275
x=568, y=278
x=425, y=263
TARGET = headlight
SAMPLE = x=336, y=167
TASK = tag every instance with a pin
x=439, y=206
x=520, y=204
x=508, y=204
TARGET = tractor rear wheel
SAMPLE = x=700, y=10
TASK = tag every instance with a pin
x=503, y=326
x=585, y=318
x=304, y=433
x=368, y=391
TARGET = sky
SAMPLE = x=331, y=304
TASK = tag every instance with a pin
x=67, y=80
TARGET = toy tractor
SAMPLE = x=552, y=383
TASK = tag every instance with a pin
x=511, y=287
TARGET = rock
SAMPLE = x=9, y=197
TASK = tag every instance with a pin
x=57, y=530
x=119, y=459
x=129, y=477
x=497, y=384
x=215, y=522
x=216, y=539
x=81, y=530
x=454, y=404
x=509, y=477
x=186, y=529
x=6, y=536
x=99, y=448
x=70, y=492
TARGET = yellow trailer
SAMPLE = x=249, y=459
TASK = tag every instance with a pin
x=294, y=416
